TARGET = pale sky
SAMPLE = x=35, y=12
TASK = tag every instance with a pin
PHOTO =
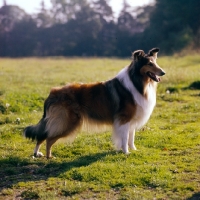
x=32, y=6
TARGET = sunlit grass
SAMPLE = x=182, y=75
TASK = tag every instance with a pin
x=166, y=165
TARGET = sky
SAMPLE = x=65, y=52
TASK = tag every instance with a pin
x=33, y=6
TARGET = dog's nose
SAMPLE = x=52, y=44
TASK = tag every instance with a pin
x=163, y=73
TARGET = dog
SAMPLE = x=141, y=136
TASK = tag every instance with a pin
x=125, y=102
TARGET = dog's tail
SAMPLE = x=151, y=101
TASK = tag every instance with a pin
x=37, y=132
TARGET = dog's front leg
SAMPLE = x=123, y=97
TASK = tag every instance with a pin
x=121, y=136
x=131, y=139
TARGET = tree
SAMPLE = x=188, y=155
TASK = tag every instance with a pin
x=173, y=24
x=44, y=18
x=64, y=10
x=10, y=16
x=22, y=39
x=102, y=8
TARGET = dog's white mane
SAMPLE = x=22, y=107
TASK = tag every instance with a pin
x=144, y=105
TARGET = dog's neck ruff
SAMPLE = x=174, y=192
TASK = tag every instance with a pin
x=144, y=103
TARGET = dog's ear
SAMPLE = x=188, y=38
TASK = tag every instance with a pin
x=137, y=55
x=153, y=52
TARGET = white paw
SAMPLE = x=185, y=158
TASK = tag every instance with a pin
x=127, y=153
x=133, y=147
x=38, y=154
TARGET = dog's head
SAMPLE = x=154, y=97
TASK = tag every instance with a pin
x=145, y=64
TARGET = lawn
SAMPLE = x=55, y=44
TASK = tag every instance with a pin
x=165, y=166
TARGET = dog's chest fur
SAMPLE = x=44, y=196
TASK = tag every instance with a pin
x=144, y=104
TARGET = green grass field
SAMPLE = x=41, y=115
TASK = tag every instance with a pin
x=166, y=165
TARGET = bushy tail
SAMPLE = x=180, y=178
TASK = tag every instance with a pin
x=36, y=132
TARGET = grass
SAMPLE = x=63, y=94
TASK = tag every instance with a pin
x=166, y=165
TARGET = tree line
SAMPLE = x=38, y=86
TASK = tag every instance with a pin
x=89, y=28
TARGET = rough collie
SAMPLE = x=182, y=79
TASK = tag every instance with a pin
x=125, y=102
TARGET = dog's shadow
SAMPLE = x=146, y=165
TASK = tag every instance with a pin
x=14, y=169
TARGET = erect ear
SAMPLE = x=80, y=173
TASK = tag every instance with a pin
x=153, y=52
x=137, y=55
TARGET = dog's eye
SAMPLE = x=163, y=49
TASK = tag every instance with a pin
x=150, y=64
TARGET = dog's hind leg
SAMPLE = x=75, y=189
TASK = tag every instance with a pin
x=61, y=122
x=37, y=148
x=52, y=140
x=131, y=139
x=49, y=143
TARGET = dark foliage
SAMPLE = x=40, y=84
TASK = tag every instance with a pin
x=89, y=28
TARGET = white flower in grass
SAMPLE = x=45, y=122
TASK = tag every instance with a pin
x=18, y=120
x=7, y=105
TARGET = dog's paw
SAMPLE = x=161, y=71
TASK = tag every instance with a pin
x=38, y=154
x=51, y=157
x=132, y=147
x=127, y=153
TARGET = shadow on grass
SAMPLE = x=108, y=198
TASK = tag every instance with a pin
x=14, y=169
x=175, y=89
x=195, y=196
x=194, y=86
